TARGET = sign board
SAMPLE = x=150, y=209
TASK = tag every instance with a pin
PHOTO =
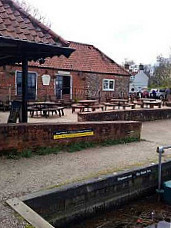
x=46, y=79
x=73, y=134
x=135, y=175
x=15, y=112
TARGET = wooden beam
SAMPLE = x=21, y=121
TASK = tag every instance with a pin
x=24, y=89
x=28, y=214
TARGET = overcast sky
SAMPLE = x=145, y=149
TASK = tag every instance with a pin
x=123, y=29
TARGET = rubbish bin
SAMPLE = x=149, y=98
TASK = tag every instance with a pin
x=167, y=192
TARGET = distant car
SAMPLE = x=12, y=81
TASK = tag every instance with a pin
x=145, y=93
x=158, y=93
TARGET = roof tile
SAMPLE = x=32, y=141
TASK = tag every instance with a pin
x=85, y=58
x=26, y=27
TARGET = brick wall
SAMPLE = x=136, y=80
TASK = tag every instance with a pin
x=127, y=115
x=23, y=136
x=82, y=84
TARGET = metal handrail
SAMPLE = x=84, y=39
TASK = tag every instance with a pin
x=160, y=150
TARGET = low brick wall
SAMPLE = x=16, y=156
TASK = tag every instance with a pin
x=134, y=115
x=23, y=136
x=74, y=201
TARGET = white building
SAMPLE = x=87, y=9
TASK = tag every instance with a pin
x=138, y=81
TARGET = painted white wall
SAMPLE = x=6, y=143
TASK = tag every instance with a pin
x=139, y=81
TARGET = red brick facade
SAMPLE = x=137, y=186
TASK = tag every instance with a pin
x=82, y=84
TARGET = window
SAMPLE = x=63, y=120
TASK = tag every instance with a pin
x=32, y=79
x=108, y=84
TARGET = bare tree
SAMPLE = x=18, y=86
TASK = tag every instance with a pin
x=162, y=73
x=35, y=12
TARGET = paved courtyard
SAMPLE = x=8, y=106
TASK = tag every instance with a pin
x=68, y=117
x=19, y=177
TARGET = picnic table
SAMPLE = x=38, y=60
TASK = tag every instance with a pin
x=85, y=105
x=44, y=108
x=119, y=102
x=151, y=104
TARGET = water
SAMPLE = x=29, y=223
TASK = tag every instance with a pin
x=147, y=212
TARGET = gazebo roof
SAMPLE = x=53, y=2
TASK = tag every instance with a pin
x=21, y=35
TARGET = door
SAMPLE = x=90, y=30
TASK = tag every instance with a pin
x=63, y=86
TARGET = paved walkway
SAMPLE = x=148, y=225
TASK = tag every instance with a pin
x=19, y=177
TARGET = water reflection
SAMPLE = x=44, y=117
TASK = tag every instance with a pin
x=145, y=213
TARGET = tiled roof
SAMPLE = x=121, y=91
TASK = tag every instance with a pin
x=15, y=23
x=86, y=58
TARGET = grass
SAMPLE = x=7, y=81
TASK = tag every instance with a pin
x=28, y=153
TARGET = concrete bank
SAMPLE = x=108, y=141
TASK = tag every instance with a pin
x=72, y=202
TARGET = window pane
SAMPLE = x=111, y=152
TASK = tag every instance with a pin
x=19, y=83
x=31, y=85
x=111, y=85
x=105, y=84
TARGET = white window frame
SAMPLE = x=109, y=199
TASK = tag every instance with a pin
x=109, y=80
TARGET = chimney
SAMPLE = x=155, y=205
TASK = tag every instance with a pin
x=141, y=67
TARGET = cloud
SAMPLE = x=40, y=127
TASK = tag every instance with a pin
x=133, y=29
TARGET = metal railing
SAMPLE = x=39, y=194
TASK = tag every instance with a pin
x=161, y=150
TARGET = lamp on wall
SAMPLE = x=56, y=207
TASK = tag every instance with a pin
x=46, y=81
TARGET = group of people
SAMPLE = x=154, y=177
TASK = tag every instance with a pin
x=155, y=93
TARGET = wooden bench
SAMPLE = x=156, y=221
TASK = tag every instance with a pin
x=152, y=104
x=77, y=106
x=96, y=106
x=140, y=103
x=110, y=105
x=33, y=110
x=128, y=105
x=46, y=111
x=5, y=106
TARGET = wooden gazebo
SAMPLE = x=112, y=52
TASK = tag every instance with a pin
x=23, y=39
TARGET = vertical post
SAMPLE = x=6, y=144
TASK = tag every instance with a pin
x=24, y=89
x=160, y=169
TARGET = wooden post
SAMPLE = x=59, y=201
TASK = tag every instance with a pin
x=24, y=89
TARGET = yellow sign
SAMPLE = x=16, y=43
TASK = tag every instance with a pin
x=73, y=134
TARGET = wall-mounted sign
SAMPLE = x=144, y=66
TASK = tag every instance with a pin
x=73, y=134
x=63, y=72
x=46, y=79
x=134, y=175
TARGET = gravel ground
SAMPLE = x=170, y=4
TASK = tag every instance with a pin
x=19, y=177
x=68, y=117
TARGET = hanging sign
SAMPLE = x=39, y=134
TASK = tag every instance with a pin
x=46, y=79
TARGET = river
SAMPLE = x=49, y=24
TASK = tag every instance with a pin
x=147, y=212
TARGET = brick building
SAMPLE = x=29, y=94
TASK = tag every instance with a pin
x=86, y=73
x=24, y=39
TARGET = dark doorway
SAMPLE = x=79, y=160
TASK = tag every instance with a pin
x=63, y=86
